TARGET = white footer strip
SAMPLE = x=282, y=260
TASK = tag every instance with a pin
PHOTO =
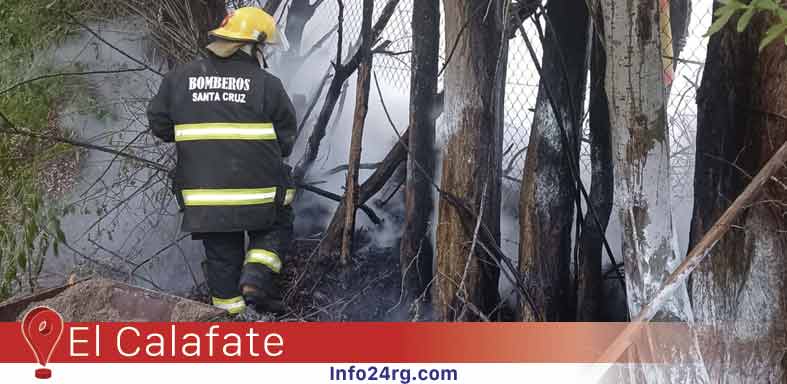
x=191, y=373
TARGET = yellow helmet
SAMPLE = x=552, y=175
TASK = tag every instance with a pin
x=249, y=24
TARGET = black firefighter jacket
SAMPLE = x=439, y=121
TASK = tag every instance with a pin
x=232, y=123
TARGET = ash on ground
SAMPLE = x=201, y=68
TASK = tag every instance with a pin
x=368, y=289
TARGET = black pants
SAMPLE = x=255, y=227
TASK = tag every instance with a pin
x=230, y=264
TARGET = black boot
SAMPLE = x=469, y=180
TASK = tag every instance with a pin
x=264, y=302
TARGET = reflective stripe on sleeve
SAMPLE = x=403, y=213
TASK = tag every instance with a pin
x=264, y=257
x=289, y=197
x=224, y=131
x=225, y=197
x=234, y=305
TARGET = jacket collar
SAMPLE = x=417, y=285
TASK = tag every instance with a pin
x=238, y=56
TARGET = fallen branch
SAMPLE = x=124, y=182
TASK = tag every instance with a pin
x=696, y=256
x=330, y=195
x=395, y=157
x=344, y=167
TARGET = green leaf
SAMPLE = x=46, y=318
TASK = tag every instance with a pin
x=773, y=32
x=21, y=259
x=61, y=237
x=720, y=22
x=744, y=20
x=769, y=5
x=731, y=6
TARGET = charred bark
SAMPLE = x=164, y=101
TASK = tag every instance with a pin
x=680, y=17
x=635, y=85
x=591, y=241
x=465, y=272
x=549, y=193
x=298, y=15
x=271, y=6
x=740, y=289
x=361, y=109
x=416, y=246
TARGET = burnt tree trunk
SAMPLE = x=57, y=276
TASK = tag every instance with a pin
x=635, y=86
x=361, y=109
x=680, y=17
x=298, y=15
x=271, y=6
x=742, y=121
x=589, y=292
x=416, y=246
x=466, y=274
x=548, y=191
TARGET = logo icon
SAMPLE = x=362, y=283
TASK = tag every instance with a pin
x=42, y=328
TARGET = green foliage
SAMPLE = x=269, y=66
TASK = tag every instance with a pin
x=732, y=7
x=27, y=234
x=29, y=223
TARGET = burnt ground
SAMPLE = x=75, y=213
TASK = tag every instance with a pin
x=368, y=289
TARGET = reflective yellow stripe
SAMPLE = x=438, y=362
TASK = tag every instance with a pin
x=289, y=197
x=224, y=131
x=234, y=305
x=264, y=257
x=224, y=197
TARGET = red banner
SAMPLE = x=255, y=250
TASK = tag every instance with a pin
x=325, y=342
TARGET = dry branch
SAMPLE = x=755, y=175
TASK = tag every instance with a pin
x=359, y=121
x=342, y=73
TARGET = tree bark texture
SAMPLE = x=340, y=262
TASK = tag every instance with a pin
x=589, y=292
x=548, y=191
x=470, y=159
x=740, y=289
x=416, y=246
x=640, y=156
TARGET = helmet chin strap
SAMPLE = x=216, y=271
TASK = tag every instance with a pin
x=261, y=55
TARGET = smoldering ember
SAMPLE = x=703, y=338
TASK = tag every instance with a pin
x=600, y=161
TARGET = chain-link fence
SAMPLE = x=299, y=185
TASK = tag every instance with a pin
x=523, y=81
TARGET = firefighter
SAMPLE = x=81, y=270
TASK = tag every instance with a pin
x=233, y=125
